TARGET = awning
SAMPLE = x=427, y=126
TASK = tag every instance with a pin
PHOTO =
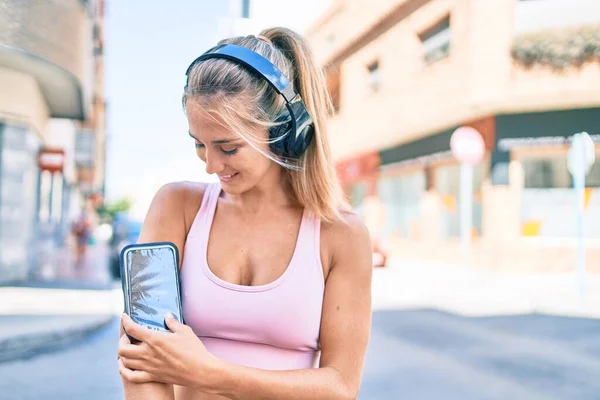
x=62, y=90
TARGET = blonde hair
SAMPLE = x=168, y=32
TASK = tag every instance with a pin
x=241, y=101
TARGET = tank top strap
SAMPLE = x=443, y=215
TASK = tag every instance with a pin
x=309, y=241
x=206, y=212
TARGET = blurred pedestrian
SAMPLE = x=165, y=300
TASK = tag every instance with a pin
x=81, y=229
x=276, y=270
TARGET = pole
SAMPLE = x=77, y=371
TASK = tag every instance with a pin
x=579, y=183
x=466, y=209
x=51, y=197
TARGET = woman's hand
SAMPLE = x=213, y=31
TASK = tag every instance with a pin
x=178, y=357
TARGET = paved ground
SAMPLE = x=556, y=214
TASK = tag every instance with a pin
x=438, y=333
x=416, y=354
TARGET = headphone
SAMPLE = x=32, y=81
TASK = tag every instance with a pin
x=294, y=129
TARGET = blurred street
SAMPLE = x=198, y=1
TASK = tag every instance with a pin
x=464, y=133
x=430, y=340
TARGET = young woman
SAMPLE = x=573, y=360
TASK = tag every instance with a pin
x=276, y=270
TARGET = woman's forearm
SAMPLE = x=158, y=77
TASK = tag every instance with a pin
x=145, y=391
x=237, y=382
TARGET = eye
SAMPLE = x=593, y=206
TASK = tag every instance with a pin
x=229, y=152
x=198, y=145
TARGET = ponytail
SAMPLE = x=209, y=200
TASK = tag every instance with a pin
x=315, y=184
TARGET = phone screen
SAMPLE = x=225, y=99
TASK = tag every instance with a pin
x=152, y=284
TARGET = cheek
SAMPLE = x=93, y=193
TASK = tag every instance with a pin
x=251, y=162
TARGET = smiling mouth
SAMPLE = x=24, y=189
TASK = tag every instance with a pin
x=228, y=177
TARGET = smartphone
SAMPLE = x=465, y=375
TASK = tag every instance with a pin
x=151, y=288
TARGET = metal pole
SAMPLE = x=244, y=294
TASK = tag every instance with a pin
x=466, y=209
x=579, y=182
x=51, y=197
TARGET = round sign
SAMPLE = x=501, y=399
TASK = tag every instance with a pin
x=467, y=145
x=581, y=154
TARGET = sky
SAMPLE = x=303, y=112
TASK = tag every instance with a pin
x=149, y=44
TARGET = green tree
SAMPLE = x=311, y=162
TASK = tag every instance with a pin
x=108, y=211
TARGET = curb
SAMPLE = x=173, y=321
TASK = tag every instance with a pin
x=29, y=345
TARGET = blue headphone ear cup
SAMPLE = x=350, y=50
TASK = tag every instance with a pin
x=303, y=141
x=280, y=134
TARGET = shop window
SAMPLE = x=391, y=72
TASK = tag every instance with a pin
x=400, y=195
x=544, y=173
x=436, y=41
x=593, y=177
x=447, y=184
x=374, y=75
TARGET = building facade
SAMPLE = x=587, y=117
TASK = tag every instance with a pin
x=52, y=126
x=404, y=74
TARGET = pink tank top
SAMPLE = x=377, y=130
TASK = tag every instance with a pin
x=273, y=326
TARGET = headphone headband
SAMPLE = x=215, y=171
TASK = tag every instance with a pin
x=295, y=129
x=255, y=62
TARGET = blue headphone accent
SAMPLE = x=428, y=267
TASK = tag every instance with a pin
x=295, y=129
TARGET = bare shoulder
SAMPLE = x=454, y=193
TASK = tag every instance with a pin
x=177, y=197
x=181, y=191
x=172, y=208
x=347, y=243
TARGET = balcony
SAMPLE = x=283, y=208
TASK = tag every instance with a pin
x=50, y=41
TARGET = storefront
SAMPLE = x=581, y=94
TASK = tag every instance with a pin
x=419, y=185
x=18, y=199
x=539, y=143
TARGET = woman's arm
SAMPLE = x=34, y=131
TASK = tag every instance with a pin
x=345, y=331
x=165, y=221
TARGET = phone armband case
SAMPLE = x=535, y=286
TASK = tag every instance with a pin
x=151, y=286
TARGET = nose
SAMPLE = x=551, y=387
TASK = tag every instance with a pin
x=214, y=165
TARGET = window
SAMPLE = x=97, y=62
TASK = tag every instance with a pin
x=374, y=75
x=332, y=74
x=436, y=41
x=552, y=172
x=245, y=8
x=545, y=173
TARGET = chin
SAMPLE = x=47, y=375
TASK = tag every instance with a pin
x=233, y=188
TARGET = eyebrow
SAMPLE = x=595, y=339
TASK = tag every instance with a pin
x=221, y=141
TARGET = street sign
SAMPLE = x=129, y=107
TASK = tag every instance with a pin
x=581, y=155
x=52, y=160
x=467, y=145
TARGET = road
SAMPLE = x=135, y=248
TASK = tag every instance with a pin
x=413, y=354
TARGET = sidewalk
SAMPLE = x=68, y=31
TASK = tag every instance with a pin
x=47, y=314
x=409, y=283
x=61, y=304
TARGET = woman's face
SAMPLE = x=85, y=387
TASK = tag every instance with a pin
x=238, y=165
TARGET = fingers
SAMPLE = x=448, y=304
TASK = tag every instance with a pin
x=133, y=364
x=134, y=376
x=137, y=331
x=173, y=324
x=127, y=349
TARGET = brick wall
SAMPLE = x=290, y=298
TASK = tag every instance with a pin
x=55, y=30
